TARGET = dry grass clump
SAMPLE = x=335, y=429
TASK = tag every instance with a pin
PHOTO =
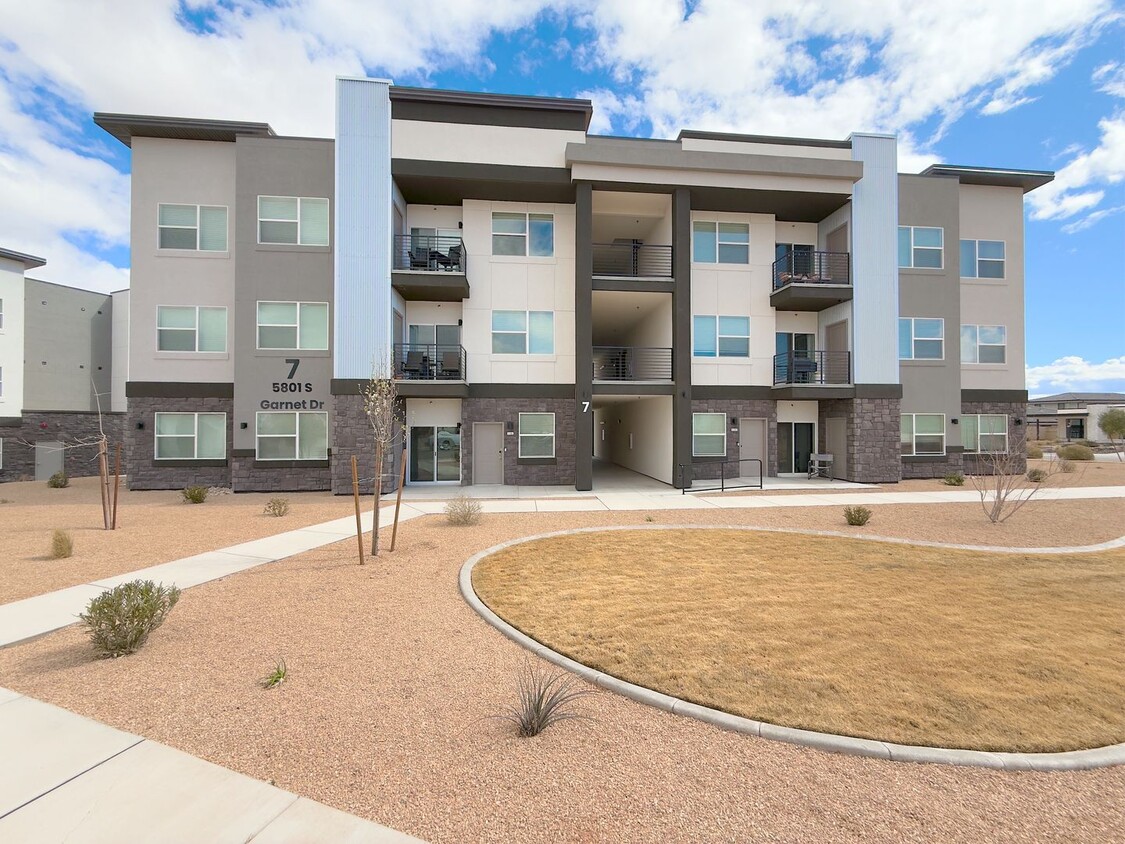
x=120, y=620
x=857, y=516
x=1037, y=476
x=900, y=643
x=195, y=494
x=462, y=511
x=954, y=479
x=277, y=507
x=62, y=545
x=1035, y=452
x=59, y=480
x=277, y=676
x=1075, y=451
x=544, y=698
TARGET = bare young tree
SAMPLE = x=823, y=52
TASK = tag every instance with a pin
x=380, y=403
x=1004, y=487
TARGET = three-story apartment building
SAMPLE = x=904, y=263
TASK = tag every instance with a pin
x=549, y=301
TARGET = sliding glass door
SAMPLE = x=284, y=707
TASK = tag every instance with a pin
x=435, y=454
x=794, y=446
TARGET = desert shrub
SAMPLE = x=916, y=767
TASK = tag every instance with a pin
x=1066, y=467
x=59, y=480
x=543, y=699
x=62, y=545
x=1074, y=451
x=650, y=519
x=1035, y=452
x=856, y=515
x=277, y=507
x=954, y=479
x=195, y=494
x=462, y=511
x=1087, y=443
x=276, y=677
x=120, y=620
x=1037, y=475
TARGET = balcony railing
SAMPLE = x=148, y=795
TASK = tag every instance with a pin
x=632, y=260
x=812, y=368
x=429, y=253
x=812, y=268
x=632, y=363
x=429, y=362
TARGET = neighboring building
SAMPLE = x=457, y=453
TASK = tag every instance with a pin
x=56, y=363
x=550, y=300
x=1070, y=416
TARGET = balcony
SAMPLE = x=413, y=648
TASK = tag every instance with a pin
x=428, y=362
x=632, y=363
x=811, y=281
x=632, y=259
x=801, y=368
x=429, y=268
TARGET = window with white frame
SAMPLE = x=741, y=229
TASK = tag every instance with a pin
x=721, y=336
x=191, y=328
x=720, y=243
x=191, y=436
x=982, y=259
x=984, y=344
x=293, y=220
x=920, y=247
x=293, y=325
x=520, y=234
x=537, y=435
x=709, y=435
x=291, y=436
x=985, y=433
x=523, y=332
x=923, y=433
x=201, y=228
x=921, y=338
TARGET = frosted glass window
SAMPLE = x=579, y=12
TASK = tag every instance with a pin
x=709, y=434
x=537, y=435
x=293, y=325
x=191, y=329
x=294, y=220
x=190, y=436
x=192, y=227
x=292, y=436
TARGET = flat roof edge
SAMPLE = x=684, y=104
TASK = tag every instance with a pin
x=1028, y=180
x=125, y=127
x=763, y=139
x=29, y=262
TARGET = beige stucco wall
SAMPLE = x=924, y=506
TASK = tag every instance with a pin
x=649, y=421
x=511, y=145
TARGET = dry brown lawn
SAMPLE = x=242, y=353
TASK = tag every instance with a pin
x=907, y=644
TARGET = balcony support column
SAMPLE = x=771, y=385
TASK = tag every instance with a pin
x=681, y=335
x=584, y=337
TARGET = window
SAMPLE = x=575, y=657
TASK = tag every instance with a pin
x=982, y=259
x=1, y=314
x=923, y=433
x=984, y=343
x=191, y=436
x=191, y=329
x=197, y=227
x=724, y=336
x=720, y=243
x=293, y=325
x=920, y=247
x=537, y=435
x=523, y=333
x=709, y=435
x=523, y=234
x=295, y=220
x=985, y=433
x=292, y=436
x=921, y=339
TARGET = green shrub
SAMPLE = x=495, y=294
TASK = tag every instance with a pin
x=277, y=507
x=462, y=511
x=59, y=480
x=1067, y=467
x=1073, y=451
x=856, y=515
x=954, y=479
x=544, y=699
x=195, y=494
x=120, y=620
x=1035, y=452
x=1037, y=475
x=62, y=545
x=276, y=677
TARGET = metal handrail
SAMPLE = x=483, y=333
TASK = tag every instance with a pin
x=801, y=367
x=632, y=363
x=429, y=253
x=429, y=362
x=632, y=260
x=812, y=268
x=722, y=487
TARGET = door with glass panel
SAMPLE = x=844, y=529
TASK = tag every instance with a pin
x=433, y=351
x=435, y=454
x=794, y=446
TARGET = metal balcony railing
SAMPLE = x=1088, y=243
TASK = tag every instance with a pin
x=803, y=267
x=632, y=363
x=812, y=368
x=429, y=253
x=429, y=362
x=632, y=260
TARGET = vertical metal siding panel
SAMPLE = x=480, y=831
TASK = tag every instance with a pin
x=363, y=228
x=875, y=261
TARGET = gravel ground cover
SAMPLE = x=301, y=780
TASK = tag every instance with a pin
x=393, y=681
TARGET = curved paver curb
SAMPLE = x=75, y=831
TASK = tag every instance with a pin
x=1071, y=760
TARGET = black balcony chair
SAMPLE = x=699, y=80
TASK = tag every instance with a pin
x=420, y=258
x=454, y=257
x=414, y=364
x=451, y=365
x=439, y=259
x=803, y=370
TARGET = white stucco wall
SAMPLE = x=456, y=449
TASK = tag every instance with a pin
x=11, y=337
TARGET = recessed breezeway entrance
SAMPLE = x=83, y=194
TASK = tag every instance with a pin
x=634, y=432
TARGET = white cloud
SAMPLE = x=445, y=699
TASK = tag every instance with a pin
x=1110, y=79
x=1074, y=374
x=1078, y=186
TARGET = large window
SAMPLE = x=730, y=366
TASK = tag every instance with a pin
x=985, y=433
x=537, y=435
x=292, y=436
x=921, y=339
x=191, y=329
x=709, y=434
x=293, y=220
x=920, y=247
x=720, y=243
x=523, y=333
x=982, y=259
x=923, y=433
x=722, y=336
x=293, y=325
x=523, y=234
x=201, y=228
x=191, y=436
x=984, y=344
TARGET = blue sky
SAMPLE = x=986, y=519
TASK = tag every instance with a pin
x=1009, y=83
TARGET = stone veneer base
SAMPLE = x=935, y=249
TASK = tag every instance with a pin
x=68, y=427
